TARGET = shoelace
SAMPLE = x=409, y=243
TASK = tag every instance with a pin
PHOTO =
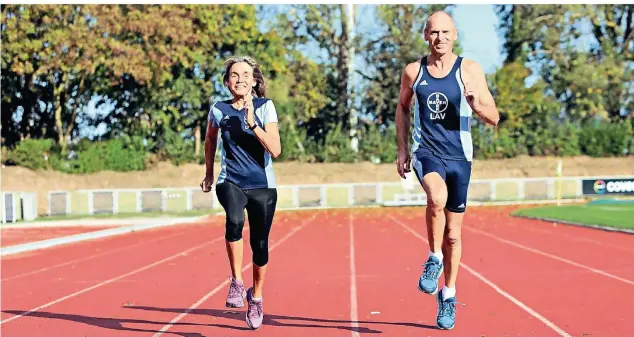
x=235, y=290
x=255, y=308
x=448, y=308
x=431, y=270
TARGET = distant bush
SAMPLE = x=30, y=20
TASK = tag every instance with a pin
x=31, y=153
x=111, y=155
x=553, y=140
x=335, y=148
x=545, y=138
x=599, y=139
x=377, y=144
x=175, y=148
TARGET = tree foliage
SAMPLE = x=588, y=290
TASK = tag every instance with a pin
x=145, y=76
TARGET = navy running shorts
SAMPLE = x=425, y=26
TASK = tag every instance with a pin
x=455, y=173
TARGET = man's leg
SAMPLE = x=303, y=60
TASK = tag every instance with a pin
x=436, y=190
x=431, y=174
x=452, y=250
x=458, y=177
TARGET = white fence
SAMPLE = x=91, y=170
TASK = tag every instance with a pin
x=16, y=206
x=407, y=192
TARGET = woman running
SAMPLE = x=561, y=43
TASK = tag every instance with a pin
x=250, y=139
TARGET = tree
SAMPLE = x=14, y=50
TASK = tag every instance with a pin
x=324, y=26
x=400, y=41
x=582, y=52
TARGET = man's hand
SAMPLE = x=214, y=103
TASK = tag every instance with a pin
x=207, y=184
x=472, y=96
x=477, y=94
x=403, y=162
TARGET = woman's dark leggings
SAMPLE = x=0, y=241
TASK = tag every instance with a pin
x=260, y=205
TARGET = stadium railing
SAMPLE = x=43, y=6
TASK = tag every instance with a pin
x=404, y=193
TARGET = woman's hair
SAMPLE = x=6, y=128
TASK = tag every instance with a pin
x=260, y=88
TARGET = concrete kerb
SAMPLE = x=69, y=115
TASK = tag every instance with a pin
x=32, y=246
x=572, y=223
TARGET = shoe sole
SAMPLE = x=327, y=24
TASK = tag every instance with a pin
x=424, y=292
x=441, y=328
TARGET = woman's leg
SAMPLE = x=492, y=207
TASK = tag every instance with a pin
x=233, y=200
x=260, y=209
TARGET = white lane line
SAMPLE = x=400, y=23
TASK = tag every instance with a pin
x=554, y=257
x=113, y=279
x=64, y=240
x=223, y=284
x=354, y=313
x=108, y=252
x=508, y=296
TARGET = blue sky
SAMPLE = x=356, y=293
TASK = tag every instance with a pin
x=477, y=32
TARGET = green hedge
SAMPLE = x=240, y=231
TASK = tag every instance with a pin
x=83, y=157
x=377, y=144
x=596, y=139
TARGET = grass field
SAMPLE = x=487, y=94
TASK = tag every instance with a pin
x=609, y=215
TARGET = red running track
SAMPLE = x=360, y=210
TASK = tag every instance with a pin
x=17, y=235
x=331, y=273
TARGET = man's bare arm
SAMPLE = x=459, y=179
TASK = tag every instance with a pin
x=485, y=106
x=406, y=93
x=402, y=118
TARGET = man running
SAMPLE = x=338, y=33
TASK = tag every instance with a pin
x=446, y=89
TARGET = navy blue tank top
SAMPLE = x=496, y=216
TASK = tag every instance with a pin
x=442, y=116
x=244, y=160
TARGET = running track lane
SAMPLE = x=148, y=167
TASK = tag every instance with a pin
x=389, y=263
x=30, y=262
x=306, y=291
x=134, y=305
x=605, y=252
x=592, y=288
x=44, y=287
x=572, y=297
x=14, y=236
x=97, y=252
x=49, y=285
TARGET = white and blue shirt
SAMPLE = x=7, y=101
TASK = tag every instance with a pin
x=442, y=116
x=245, y=161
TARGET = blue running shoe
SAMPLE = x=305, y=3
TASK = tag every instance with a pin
x=428, y=281
x=446, y=318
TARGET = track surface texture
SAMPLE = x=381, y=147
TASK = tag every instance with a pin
x=16, y=235
x=330, y=273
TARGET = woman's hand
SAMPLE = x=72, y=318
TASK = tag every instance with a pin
x=250, y=111
x=207, y=184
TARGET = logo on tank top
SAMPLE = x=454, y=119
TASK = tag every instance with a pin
x=437, y=104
